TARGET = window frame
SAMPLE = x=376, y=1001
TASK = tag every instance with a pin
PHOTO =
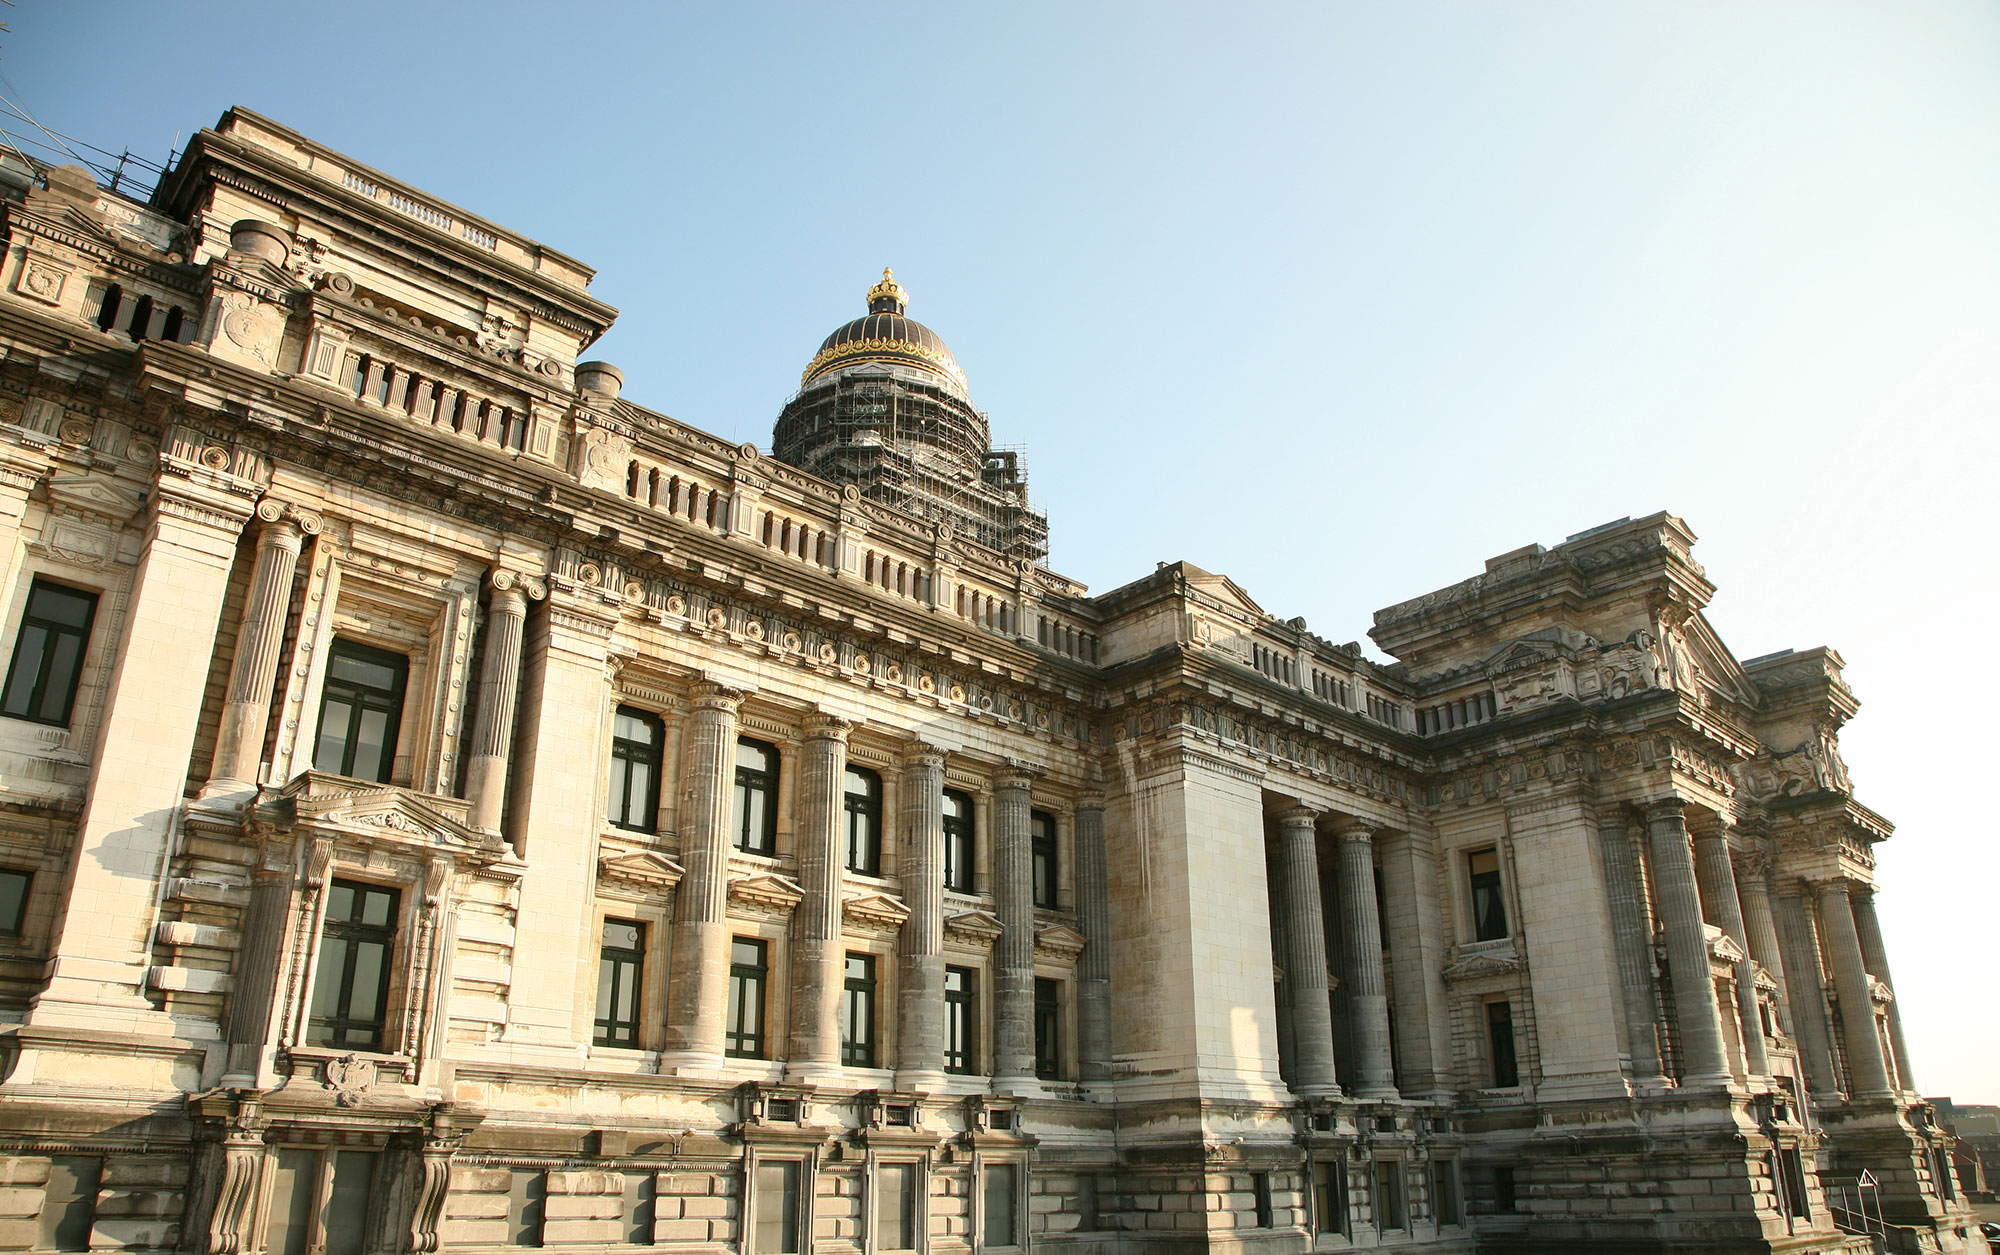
x=624, y=753
x=605, y=1028
x=37, y=694
x=961, y=841
x=1476, y=885
x=794, y=1205
x=1331, y=1202
x=320, y=1202
x=859, y=1051
x=762, y=782
x=1044, y=860
x=966, y=1001
x=909, y=1214
x=1388, y=1183
x=354, y=931
x=399, y=663
x=1017, y=1212
x=747, y=980
x=863, y=811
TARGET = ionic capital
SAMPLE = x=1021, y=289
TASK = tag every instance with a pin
x=713, y=695
x=532, y=587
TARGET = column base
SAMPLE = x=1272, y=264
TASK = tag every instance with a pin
x=226, y=795
x=690, y=1063
x=920, y=1080
x=813, y=1073
x=1377, y=1093
x=1326, y=1089
x=1018, y=1086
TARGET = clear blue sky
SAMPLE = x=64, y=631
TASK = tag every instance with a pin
x=1339, y=299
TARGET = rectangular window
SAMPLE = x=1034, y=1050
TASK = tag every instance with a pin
x=620, y=960
x=895, y=1207
x=359, y=711
x=48, y=654
x=1087, y=1218
x=864, y=821
x=1489, y=911
x=1048, y=1028
x=633, y=800
x=1330, y=1195
x=527, y=1205
x=641, y=1196
x=1505, y=1192
x=347, y=1194
x=288, y=1226
x=1391, y=1212
x=756, y=797
x=1002, y=1204
x=857, y=1013
x=1500, y=1044
x=747, y=970
x=351, y=987
x=1260, y=1194
x=1792, y=1179
x=958, y=838
x=1444, y=1192
x=319, y=1202
x=778, y=1207
x=1042, y=843
x=14, y=887
x=69, y=1202
x=961, y=1012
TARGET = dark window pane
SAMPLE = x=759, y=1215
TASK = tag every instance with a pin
x=1500, y=1042
x=289, y=1227
x=48, y=654
x=778, y=1207
x=360, y=708
x=895, y=1207
x=28, y=654
x=69, y=1203
x=527, y=1196
x=347, y=1202
x=1001, y=1205
x=13, y=900
x=1489, y=910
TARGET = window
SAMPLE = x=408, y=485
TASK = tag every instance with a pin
x=48, y=654
x=634, y=799
x=1002, y=1204
x=864, y=821
x=895, y=1206
x=961, y=989
x=1391, y=1212
x=620, y=959
x=857, y=1013
x=527, y=1206
x=69, y=1202
x=1042, y=843
x=641, y=1204
x=1330, y=1195
x=1260, y=1193
x=777, y=1231
x=1087, y=1218
x=359, y=711
x=319, y=1202
x=351, y=987
x=756, y=797
x=957, y=841
x=1792, y=1181
x=1444, y=1192
x=1500, y=1044
x=13, y=900
x=1489, y=911
x=1505, y=1192
x=747, y=970
x=1048, y=1028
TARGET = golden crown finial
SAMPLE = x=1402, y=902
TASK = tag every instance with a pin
x=888, y=291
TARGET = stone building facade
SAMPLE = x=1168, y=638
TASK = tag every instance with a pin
x=449, y=807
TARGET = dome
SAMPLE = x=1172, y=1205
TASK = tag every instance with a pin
x=883, y=334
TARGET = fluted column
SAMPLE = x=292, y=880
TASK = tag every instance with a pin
x=920, y=948
x=1375, y=1069
x=1697, y=1014
x=1093, y=967
x=499, y=687
x=1014, y=953
x=819, y=958
x=1753, y=873
x=1876, y=956
x=1806, y=969
x=246, y=711
x=1635, y=962
x=698, y=977
x=1717, y=877
x=1302, y=932
x=1867, y=1070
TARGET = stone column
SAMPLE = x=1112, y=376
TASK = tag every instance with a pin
x=698, y=977
x=101, y=950
x=1635, y=960
x=819, y=960
x=1876, y=957
x=1718, y=894
x=1867, y=1070
x=1301, y=926
x=246, y=711
x=499, y=687
x=1806, y=970
x=1093, y=967
x=1697, y=1014
x=1014, y=953
x=1375, y=1070
x=1753, y=873
x=920, y=948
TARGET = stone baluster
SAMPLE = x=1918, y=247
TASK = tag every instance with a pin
x=1867, y=1070
x=246, y=711
x=698, y=986
x=499, y=688
x=1806, y=968
x=1302, y=928
x=1876, y=957
x=1014, y=953
x=1753, y=875
x=1635, y=962
x=1697, y=1013
x=1717, y=878
x=819, y=958
x=920, y=948
x=1093, y=968
x=1375, y=1070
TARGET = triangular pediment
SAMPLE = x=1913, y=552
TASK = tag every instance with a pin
x=1223, y=589
x=978, y=928
x=1718, y=667
x=767, y=890
x=1486, y=963
x=1064, y=942
x=878, y=911
x=1520, y=653
x=361, y=808
x=645, y=868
